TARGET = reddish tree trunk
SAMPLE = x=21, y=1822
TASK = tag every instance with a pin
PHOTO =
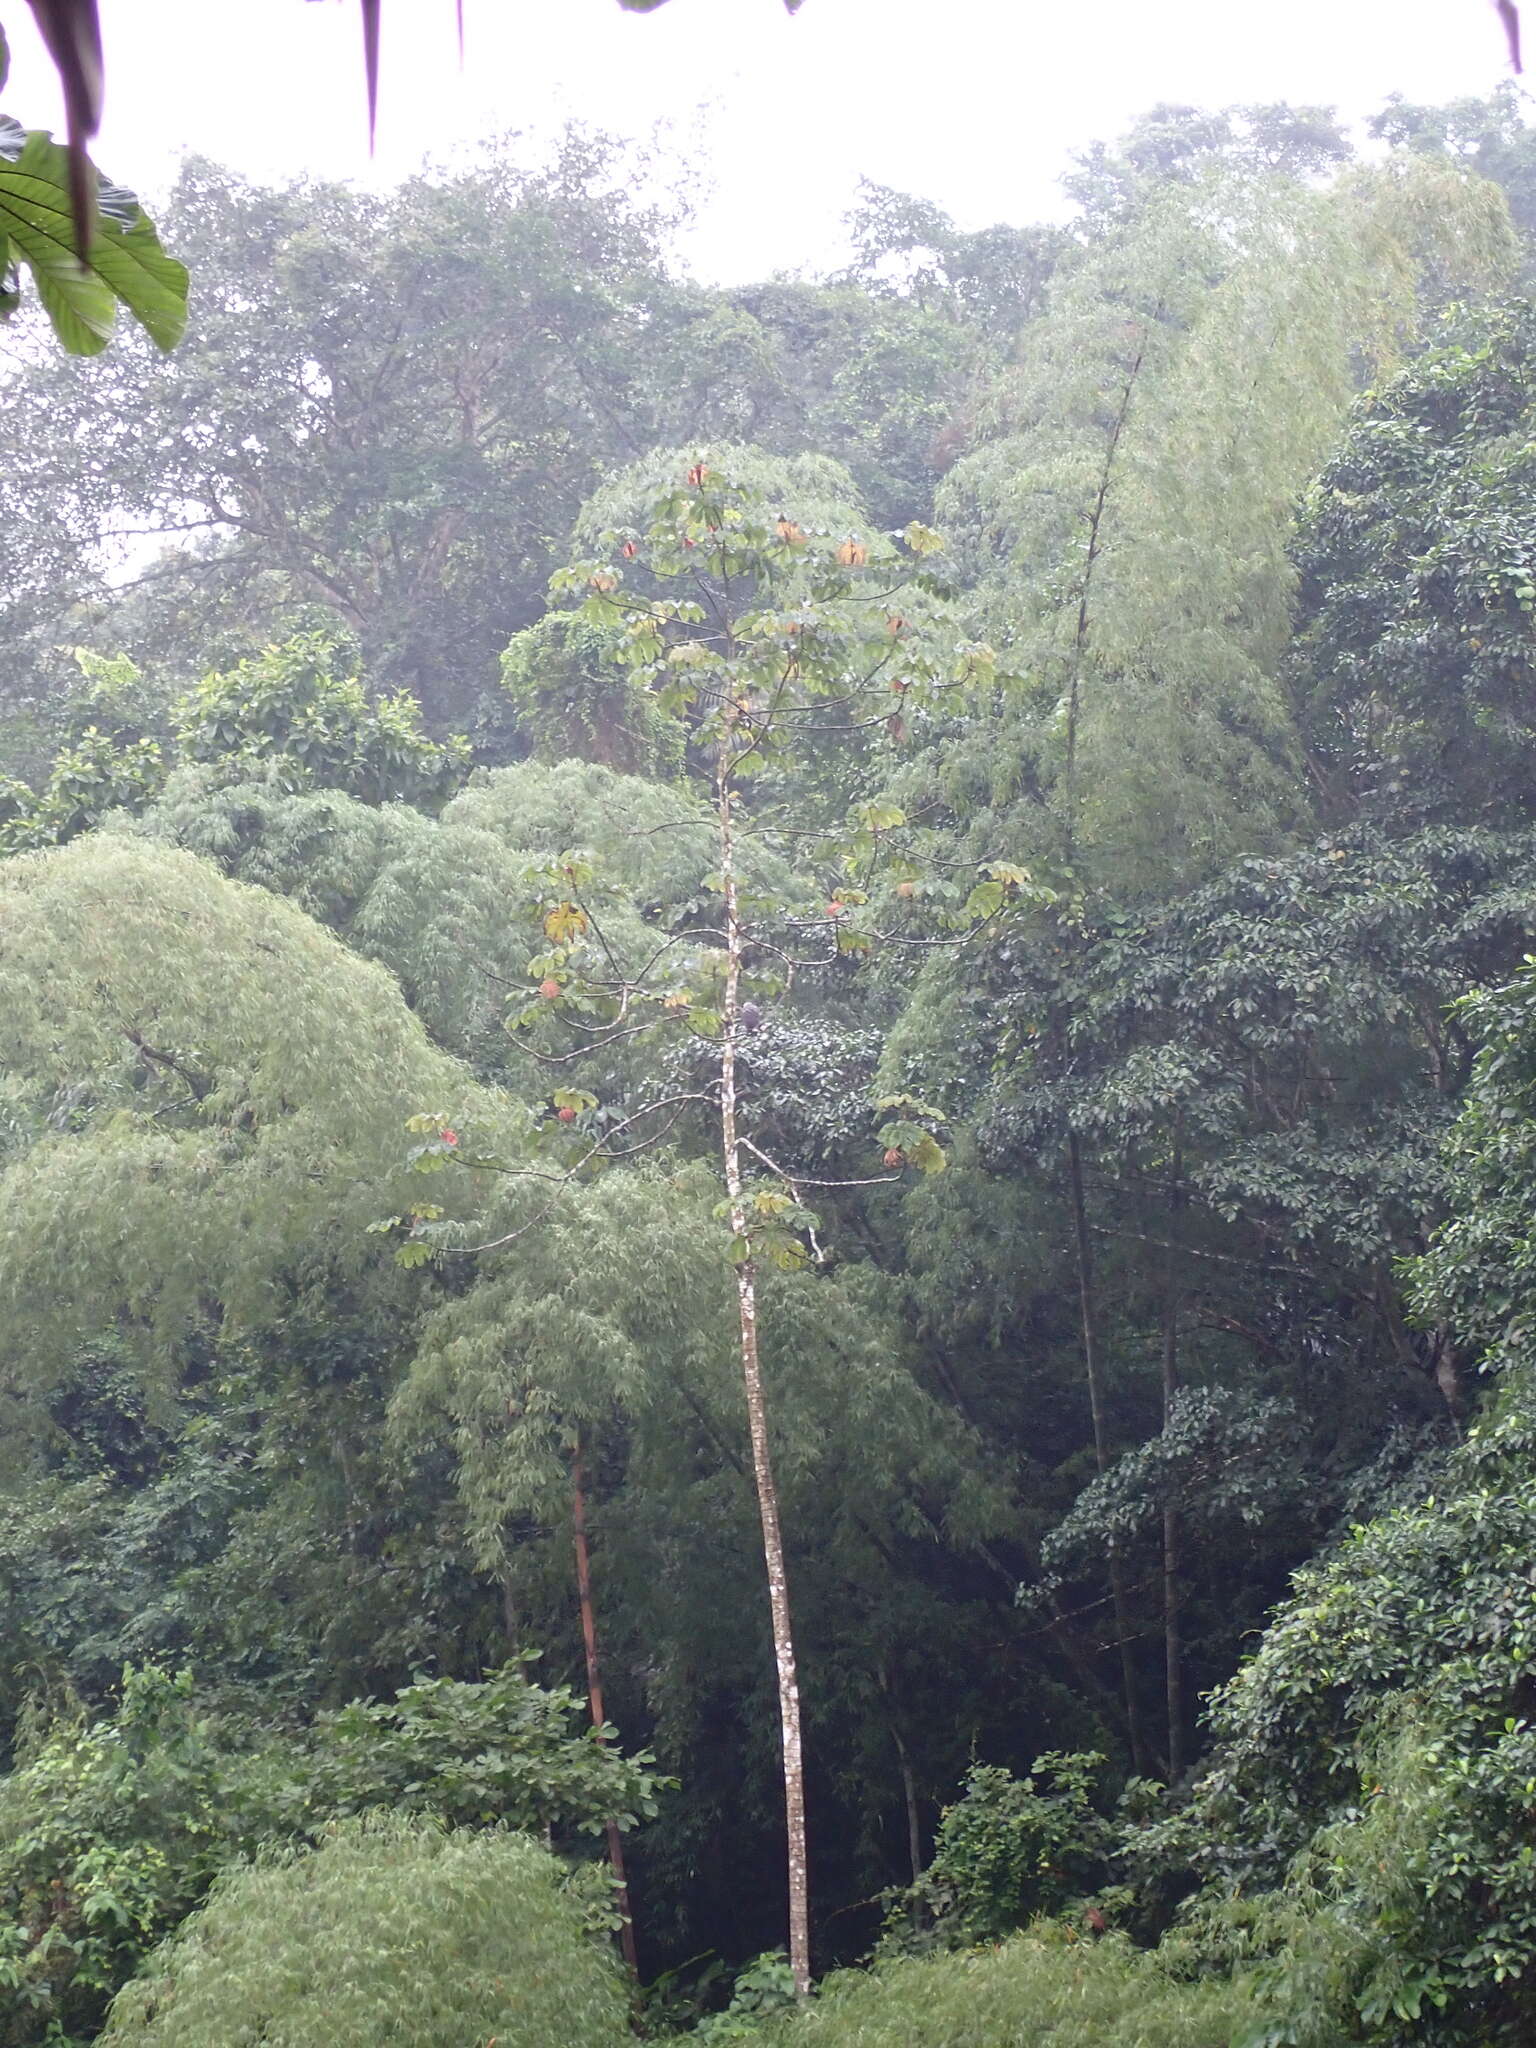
x=595, y=1694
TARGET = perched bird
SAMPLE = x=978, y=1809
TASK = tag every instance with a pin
x=751, y=1016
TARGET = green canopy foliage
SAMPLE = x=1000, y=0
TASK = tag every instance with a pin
x=283, y=717
x=1417, y=600
x=984, y=1078
x=1372, y=1763
x=411, y=478
x=1476, y=1276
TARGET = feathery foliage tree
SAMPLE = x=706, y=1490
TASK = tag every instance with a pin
x=1131, y=509
x=192, y=1147
x=391, y=1930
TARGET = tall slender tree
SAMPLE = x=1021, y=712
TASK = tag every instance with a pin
x=764, y=638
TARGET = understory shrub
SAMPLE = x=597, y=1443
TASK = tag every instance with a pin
x=1375, y=1768
x=111, y=1831
x=1011, y=1849
x=1044, y=1988
x=390, y=1932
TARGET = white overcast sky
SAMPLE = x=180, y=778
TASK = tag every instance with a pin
x=972, y=103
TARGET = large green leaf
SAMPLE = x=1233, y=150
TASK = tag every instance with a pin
x=125, y=264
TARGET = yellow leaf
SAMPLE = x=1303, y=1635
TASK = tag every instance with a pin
x=565, y=922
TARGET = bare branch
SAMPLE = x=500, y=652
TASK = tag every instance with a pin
x=878, y=1180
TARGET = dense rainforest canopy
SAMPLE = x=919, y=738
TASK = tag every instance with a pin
x=768, y=1084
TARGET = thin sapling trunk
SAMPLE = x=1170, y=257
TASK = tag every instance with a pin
x=1090, y=1331
x=595, y=1697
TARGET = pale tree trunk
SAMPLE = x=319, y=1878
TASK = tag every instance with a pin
x=1089, y=1314
x=595, y=1695
x=914, y=1823
x=509, y=1621
x=757, y=1418
x=909, y=1795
